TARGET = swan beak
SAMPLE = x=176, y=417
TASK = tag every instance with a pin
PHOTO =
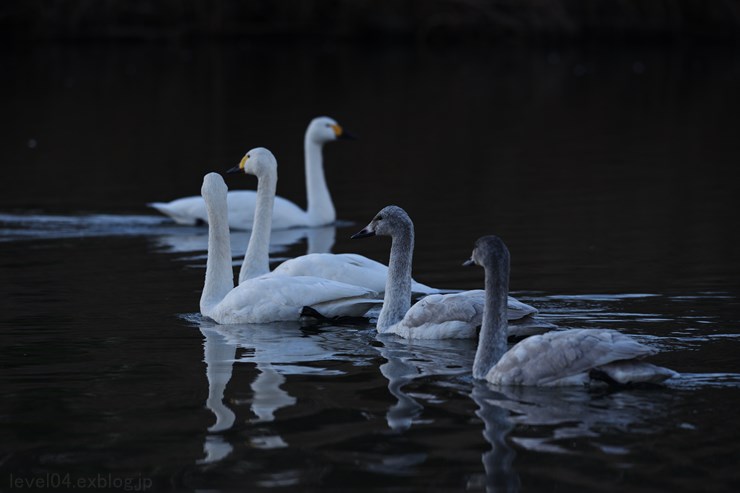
x=342, y=134
x=469, y=262
x=362, y=234
x=239, y=167
x=346, y=136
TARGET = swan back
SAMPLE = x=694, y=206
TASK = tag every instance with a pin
x=569, y=357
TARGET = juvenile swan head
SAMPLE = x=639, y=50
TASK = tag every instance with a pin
x=489, y=251
x=323, y=129
x=259, y=162
x=390, y=221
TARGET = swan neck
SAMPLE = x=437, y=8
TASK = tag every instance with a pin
x=257, y=257
x=319, y=204
x=494, y=330
x=219, y=273
x=397, y=299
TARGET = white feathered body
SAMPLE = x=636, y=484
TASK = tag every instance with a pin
x=457, y=316
x=275, y=299
x=567, y=358
x=350, y=268
x=241, y=206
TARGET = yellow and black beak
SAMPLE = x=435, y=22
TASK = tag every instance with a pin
x=342, y=134
x=240, y=167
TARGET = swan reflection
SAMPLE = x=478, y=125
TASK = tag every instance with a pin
x=276, y=351
x=498, y=462
x=195, y=240
x=408, y=360
x=565, y=414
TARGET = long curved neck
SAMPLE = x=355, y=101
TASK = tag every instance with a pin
x=257, y=257
x=397, y=300
x=319, y=204
x=494, y=330
x=219, y=273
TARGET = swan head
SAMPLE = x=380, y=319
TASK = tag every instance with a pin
x=323, y=129
x=213, y=186
x=489, y=251
x=390, y=221
x=259, y=162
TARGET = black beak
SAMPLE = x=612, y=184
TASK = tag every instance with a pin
x=469, y=262
x=346, y=136
x=235, y=169
x=362, y=234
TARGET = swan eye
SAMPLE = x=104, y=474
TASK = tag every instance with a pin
x=378, y=218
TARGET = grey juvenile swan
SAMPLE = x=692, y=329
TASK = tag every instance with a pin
x=438, y=316
x=569, y=357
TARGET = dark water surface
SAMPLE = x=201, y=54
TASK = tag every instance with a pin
x=609, y=173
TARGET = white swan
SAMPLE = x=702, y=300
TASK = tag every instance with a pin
x=241, y=203
x=438, y=316
x=349, y=268
x=345, y=267
x=266, y=298
x=569, y=357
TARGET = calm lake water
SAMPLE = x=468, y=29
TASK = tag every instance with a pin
x=609, y=173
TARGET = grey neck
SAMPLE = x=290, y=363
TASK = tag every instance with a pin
x=397, y=299
x=494, y=330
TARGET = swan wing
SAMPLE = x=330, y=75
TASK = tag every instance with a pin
x=350, y=268
x=442, y=316
x=517, y=309
x=636, y=371
x=278, y=298
x=564, y=358
x=457, y=316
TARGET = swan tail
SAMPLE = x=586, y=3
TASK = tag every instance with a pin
x=528, y=326
x=419, y=289
x=174, y=214
x=631, y=372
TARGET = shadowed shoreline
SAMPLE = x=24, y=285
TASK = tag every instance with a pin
x=415, y=21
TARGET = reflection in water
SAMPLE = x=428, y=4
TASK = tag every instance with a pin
x=190, y=239
x=268, y=396
x=562, y=415
x=497, y=462
x=276, y=350
x=14, y=227
x=165, y=234
x=408, y=360
x=219, y=358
